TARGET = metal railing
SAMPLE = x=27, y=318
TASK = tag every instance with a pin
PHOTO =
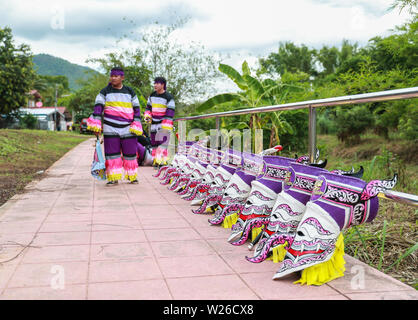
x=398, y=94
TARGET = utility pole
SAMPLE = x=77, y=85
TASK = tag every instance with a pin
x=56, y=102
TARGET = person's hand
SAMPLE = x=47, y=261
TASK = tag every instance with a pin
x=147, y=118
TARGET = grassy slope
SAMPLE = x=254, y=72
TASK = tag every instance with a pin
x=23, y=153
x=395, y=229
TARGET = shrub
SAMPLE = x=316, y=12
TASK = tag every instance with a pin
x=351, y=122
x=28, y=121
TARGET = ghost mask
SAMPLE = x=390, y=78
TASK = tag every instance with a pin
x=337, y=202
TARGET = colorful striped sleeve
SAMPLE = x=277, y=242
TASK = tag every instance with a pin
x=94, y=122
x=167, y=122
x=148, y=109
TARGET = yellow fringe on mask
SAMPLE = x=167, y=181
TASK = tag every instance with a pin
x=230, y=220
x=209, y=210
x=326, y=271
x=255, y=232
x=278, y=253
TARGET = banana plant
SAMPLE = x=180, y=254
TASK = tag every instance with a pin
x=253, y=93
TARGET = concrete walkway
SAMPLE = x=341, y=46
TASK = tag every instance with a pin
x=71, y=237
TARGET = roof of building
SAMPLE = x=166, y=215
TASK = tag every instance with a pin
x=43, y=111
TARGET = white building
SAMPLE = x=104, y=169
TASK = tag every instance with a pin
x=49, y=118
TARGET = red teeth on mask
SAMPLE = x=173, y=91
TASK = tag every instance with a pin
x=300, y=253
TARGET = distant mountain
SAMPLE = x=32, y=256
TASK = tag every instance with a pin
x=46, y=64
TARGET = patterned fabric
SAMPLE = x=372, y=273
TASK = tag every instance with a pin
x=121, y=121
x=119, y=106
x=161, y=108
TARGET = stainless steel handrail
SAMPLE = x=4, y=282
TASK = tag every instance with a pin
x=397, y=94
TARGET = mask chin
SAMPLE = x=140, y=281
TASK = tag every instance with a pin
x=259, y=203
x=235, y=194
x=314, y=241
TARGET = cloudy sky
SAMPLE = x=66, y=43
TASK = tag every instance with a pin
x=246, y=29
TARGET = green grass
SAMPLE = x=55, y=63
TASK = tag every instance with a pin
x=23, y=153
x=390, y=242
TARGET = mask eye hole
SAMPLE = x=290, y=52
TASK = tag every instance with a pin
x=300, y=233
x=249, y=202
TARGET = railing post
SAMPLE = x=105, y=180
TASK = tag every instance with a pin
x=218, y=133
x=181, y=131
x=312, y=134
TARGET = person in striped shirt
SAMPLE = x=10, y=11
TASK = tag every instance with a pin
x=160, y=113
x=119, y=106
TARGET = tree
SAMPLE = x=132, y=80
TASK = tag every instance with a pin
x=399, y=50
x=189, y=68
x=402, y=4
x=82, y=101
x=290, y=58
x=16, y=72
x=254, y=93
x=51, y=86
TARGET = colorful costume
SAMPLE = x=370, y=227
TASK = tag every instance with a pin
x=121, y=125
x=160, y=109
x=287, y=212
x=237, y=191
x=229, y=164
x=337, y=203
x=262, y=197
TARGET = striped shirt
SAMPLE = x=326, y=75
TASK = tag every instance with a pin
x=120, y=106
x=161, y=108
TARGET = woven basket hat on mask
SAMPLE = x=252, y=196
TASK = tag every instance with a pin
x=178, y=160
x=262, y=196
x=212, y=157
x=229, y=164
x=237, y=190
x=287, y=212
x=337, y=202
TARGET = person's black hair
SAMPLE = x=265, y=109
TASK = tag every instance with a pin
x=117, y=69
x=161, y=80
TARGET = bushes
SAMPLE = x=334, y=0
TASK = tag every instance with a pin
x=28, y=121
x=408, y=123
x=351, y=122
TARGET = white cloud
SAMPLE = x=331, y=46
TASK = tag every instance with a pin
x=245, y=29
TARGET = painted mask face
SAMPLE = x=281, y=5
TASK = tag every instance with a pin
x=234, y=196
x=338, y=202
x=259, y=204
x=237, y=189
x=253, y=216
x=288, y=209
x=180, y=160
x=183, y=150
x=201, y=189
x=198, y=174
x=214, y=194
x=195, y=178
x=184, y=171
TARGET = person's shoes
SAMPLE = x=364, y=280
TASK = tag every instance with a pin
x=134, y=181
x=112, y=183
